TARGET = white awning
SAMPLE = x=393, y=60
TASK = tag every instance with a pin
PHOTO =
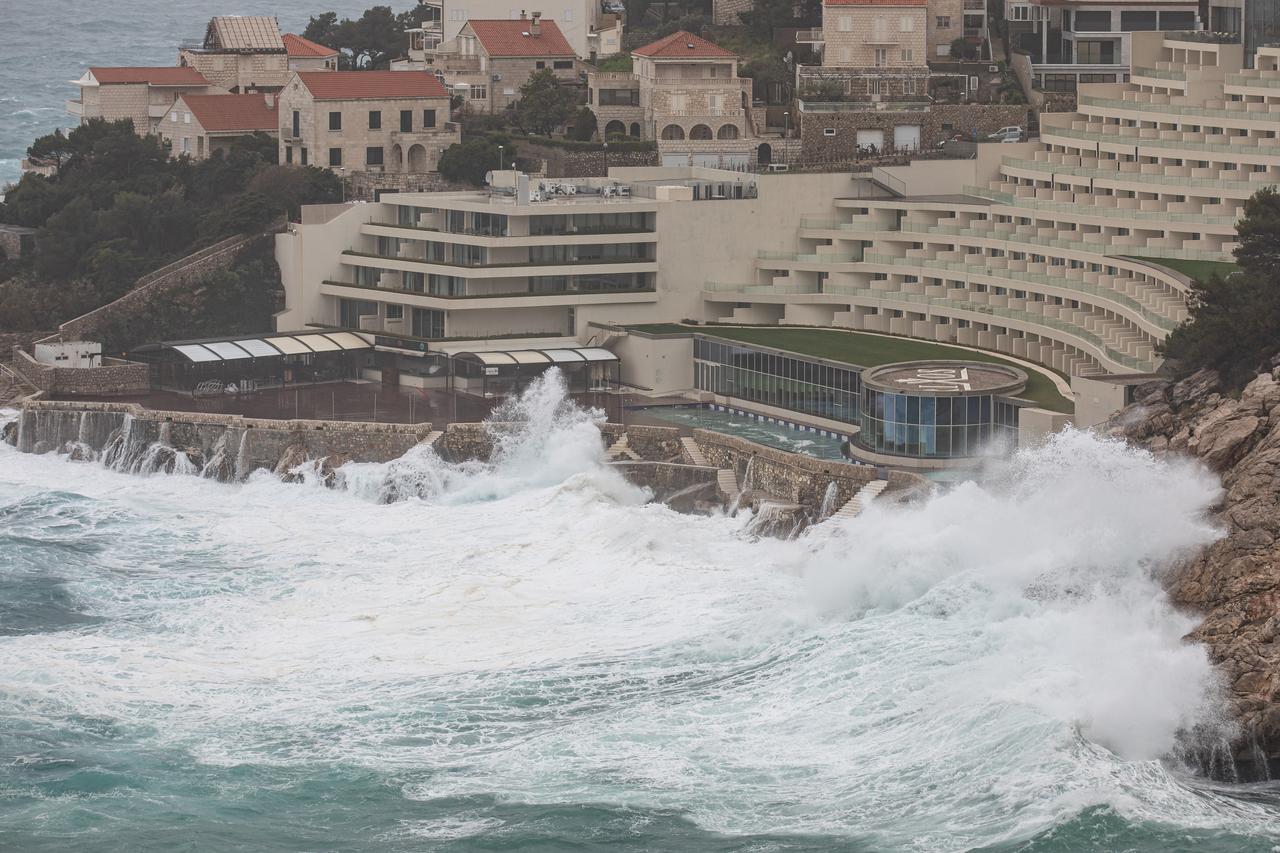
x=347, y=340
x=596, y=354
x=529, y=356
x=257, y=348
x=490, y=358
x=318, y=343
x=289, y=346
x=226, y=350
x=197, y=353
x=564, y=356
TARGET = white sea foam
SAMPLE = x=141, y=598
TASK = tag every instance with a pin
x=968, y=670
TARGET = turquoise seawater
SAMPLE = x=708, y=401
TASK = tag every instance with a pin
x=526, y=656
x=45, y=46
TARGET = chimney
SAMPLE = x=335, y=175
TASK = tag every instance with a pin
x=535, y=28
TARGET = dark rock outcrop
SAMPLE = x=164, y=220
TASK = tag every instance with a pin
x=1235, y=582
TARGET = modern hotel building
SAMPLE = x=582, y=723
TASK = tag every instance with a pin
x=1068, y=252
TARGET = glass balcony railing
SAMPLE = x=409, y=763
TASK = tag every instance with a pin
x=1142, y=142
x=1134, y=177
x=1094, y=210
x=1175, y=109
x=1062, y=282
x=1159, y=73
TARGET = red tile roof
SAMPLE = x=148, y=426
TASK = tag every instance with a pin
x=683, y=45
x=875, y=2
x=173, y=75
x=515, y=38
x=245, y=113
x=300, y=47
x=355, y=85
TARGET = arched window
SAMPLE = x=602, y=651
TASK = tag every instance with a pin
x=615, y=128
x=700, y=131
x=635, y=129
x=673, y=131
x=728, y=131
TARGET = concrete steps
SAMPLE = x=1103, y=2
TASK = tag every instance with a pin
x=856, y=504
x=432, y=438
x=692, y=454
x=621, y=450
x=726, y=480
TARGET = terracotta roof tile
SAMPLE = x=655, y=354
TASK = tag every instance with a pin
x=300, y=47
x=875, y=2
x=171, y=75
x=245, y=113
x=355, y=85
x=683, y=45
x=515, y=38
x=244, y=32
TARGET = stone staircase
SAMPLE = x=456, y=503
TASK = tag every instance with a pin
x=856, y=504
x=727, y=482
x=12, y=386
x=621, y=450
x=691, y=453
x=432, y=438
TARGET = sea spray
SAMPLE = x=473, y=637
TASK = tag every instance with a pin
x=996, y=663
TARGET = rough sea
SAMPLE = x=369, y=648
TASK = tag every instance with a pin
x=525, y=656
x=47, y=44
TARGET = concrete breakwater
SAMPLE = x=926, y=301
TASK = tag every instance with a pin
x=786, y=491
x=128, y=437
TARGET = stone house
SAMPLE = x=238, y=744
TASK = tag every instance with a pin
x=240, y=54
x=143, y=95
x=590, y=31
x=199, y=125
x=307, y=55
x=357, y=121
x=489, y=60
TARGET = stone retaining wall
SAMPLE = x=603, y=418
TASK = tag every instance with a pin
x=239, y=445
x=114, y=376
x=937, y=123
x=567, y=163
x=181, y=273
x=792, y=477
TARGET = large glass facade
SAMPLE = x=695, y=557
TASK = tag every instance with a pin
x=934, y=427
x=774, y=379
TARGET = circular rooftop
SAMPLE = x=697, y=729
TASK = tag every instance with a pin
x=945, y=378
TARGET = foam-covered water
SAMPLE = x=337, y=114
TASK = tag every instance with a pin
x=526, y=655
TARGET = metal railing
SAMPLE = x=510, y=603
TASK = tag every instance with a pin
x=1137, y=177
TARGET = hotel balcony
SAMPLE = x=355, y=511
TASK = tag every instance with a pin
x=597, y=236
x=813, y=36
x=512, y=297
x=523, y=268
x=75, y=108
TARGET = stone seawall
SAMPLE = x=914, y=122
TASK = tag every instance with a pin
x=792, y=477
x=224, y=447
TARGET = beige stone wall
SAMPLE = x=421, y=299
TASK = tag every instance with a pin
x=239, y=72
x=855, y=34
x=416, y=151
x=688, y=94
x=940, y=37
x=132, y=101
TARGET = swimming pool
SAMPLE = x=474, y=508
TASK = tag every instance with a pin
x=771, y=433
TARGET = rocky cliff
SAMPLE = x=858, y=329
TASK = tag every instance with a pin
x=1235, y=583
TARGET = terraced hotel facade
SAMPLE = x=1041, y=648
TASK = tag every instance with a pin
x=1064, y=252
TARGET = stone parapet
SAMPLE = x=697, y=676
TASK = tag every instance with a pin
x=113, y=376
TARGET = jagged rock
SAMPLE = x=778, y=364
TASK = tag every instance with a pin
x=1235, y=582
x=1195, y=387
x=293, y=456
x=9, y=433
x=330, y=466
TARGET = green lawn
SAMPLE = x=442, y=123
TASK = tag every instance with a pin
x=1198, y=270
x=865, y=350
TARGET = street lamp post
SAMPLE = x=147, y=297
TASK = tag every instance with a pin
x=606, y=159
x=786, y=124
x=499, y=158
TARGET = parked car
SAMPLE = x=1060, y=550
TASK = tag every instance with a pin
x=1008, y=134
